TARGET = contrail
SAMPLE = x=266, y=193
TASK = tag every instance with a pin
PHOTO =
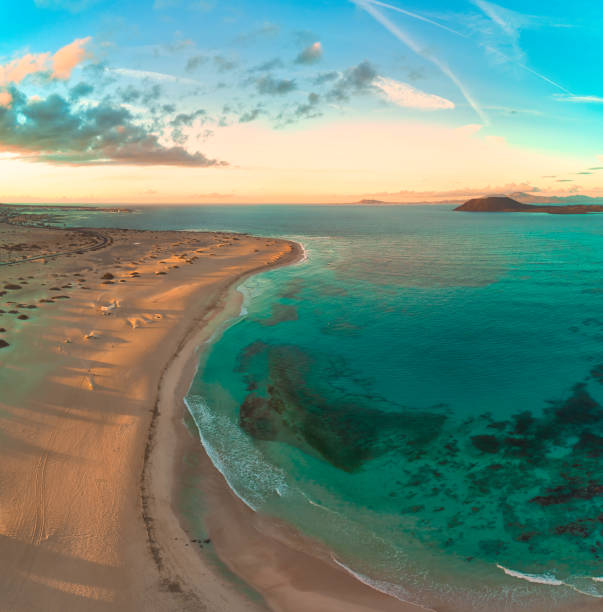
x=367, y=5
x=528, y=69
x=417, y=16
x=465, y=36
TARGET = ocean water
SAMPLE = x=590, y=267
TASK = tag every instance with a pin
x=423, y=394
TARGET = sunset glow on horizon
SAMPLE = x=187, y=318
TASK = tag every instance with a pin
x=317, y=102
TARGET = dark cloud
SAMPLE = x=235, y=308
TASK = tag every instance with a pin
x=194, y=62
x=129, y=94
x=360, y=77
x=415, y=74
x=326, y=77
x=310, y=55
x=354, y=80
x=251, y=115
x=52, y=130
x=99, y=74
x=269, y=86
x=223, y=64
x=151, y=95
x=309, y=110
x=267, y=66
x=186, y=119
x=80, y=90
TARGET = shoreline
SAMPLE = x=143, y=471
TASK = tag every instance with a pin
x=333, y=587
x=94, y=448
x=108, y=500
x=85, y=337
x=330, y=588
x=167, y=436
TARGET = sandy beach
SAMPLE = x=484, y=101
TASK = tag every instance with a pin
x=101, y=332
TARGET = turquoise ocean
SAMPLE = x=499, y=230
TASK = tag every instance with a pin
x=423, y=394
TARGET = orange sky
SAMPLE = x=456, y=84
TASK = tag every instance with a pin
x=336, y=162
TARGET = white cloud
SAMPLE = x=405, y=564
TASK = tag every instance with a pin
x=149, y=74
x=579, y=99
x=403, y=94
x=407, y=40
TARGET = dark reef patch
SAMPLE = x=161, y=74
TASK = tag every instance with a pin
x=527, y=486
x=293, y=288
x=346, y=431
x=280, y=314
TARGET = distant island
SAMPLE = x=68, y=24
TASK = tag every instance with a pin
x=504, y=204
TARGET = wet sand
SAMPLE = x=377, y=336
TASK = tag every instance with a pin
x=95, y=459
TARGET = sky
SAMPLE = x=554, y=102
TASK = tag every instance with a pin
x=313, y=101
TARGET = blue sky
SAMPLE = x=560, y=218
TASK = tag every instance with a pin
x=251, y=98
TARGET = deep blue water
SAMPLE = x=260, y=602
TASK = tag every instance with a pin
x=423, y=394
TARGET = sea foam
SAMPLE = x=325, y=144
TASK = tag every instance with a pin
x=246, y=472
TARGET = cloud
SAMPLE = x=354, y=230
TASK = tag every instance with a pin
x=309, y=110
x=151, y=75
x=251, y=115
x=68, y=57
x=223, y=64
x=269, y=86
x=579, y=99
x=129, y=94
x=508, y=22
x=462, y=193
x=406, y=39
x=194, y=62
x=80, y=90
x=354, y=80
x=186, y=119
x=267, y=66
x=266, y=30
x=310, y=55
x=52, y=130
x=6, y=99
x=403, y=94
x=326, y=77
x=58, y=66
x=16, y=70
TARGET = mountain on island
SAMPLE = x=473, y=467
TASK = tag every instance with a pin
x=504, y=204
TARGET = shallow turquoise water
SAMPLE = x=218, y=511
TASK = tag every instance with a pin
x=423, y=394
